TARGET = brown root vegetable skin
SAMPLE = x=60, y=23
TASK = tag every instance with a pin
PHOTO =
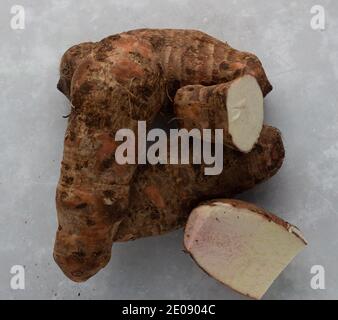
x=236, y=107
x=163, y=196
x=187, y=57
x=112, y=84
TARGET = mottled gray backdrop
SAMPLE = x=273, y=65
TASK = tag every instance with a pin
x=300, y=62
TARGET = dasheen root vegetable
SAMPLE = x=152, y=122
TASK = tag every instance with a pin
x=241, y=245
x=125, y=78
x=235, y=106
x=163, y=196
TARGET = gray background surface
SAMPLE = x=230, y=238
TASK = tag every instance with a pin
x=301, y=63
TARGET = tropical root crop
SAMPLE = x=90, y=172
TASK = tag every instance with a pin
x=126, y=78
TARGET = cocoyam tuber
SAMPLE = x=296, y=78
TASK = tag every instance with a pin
x=241, y=245
x=241, y=119
x=115, y=83
x=163, y=196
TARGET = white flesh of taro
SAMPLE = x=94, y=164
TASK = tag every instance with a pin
x=241, y=247
x=245, y=112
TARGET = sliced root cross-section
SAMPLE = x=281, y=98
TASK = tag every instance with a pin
x=241, y=245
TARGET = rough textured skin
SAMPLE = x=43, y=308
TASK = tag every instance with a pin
x=111, y=85
x=163, y=196
x=203, y=107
